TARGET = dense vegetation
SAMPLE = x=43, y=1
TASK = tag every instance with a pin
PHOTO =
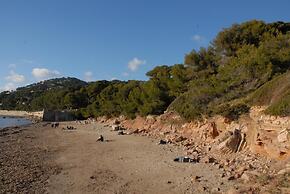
x=240, y=68
x=240, y=60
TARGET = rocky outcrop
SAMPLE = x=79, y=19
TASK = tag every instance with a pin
x=243, y=149
x=283, y=136
x=257, y=132
x=234, y=142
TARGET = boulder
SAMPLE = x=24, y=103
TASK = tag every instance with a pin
x=121, y=133
x=196, y=179
x=213, y=130
x=116, y=122
x=283, y=136
x=116, y=127
x=215, y=190
x=162, y=142
x=235, y=142
x=210, y=160
x=180, y=139
x=135, y=131
x=245, y=177
x=284, y=171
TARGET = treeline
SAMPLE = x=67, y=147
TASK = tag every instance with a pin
x=128, y=98
x=219, y=79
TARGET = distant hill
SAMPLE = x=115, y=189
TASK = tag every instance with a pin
x=21, y=97
x=57, y=83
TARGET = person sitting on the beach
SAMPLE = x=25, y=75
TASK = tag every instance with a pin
x=101, y=138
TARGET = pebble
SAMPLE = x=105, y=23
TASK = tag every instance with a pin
x=215, y=190
x=245, y=177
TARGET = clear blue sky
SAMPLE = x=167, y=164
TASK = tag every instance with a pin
x=105, y=39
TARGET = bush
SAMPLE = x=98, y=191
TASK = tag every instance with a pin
x=232, y=112
x=281, y=107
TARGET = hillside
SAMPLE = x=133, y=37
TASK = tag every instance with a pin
x=275, y=94
x=22, y=98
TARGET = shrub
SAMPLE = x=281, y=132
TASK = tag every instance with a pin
x=281, y=107
x=233, y=112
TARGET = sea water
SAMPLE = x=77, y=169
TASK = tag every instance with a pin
x=13, y=121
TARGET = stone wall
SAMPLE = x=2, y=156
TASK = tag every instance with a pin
x=56, y=116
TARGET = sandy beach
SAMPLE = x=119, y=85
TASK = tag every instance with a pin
x=39, y=159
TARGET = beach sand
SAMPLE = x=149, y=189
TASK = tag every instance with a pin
x=40, y=159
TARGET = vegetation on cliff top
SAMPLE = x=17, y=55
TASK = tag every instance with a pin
x=246, y=61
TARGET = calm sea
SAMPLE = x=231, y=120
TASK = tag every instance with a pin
x=10, y=121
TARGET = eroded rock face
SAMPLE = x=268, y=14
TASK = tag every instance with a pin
x=214, y=132
x=256, y=132
x=233, y=142
x=243, y=150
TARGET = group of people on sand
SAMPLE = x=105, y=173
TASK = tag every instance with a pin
x=85, y=122
x=70, y=128
x=55, y=125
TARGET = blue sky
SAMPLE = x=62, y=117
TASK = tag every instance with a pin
x=113, y=39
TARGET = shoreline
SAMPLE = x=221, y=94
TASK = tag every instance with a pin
x=15, y=122
x=37, y=115
x=12, y=116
